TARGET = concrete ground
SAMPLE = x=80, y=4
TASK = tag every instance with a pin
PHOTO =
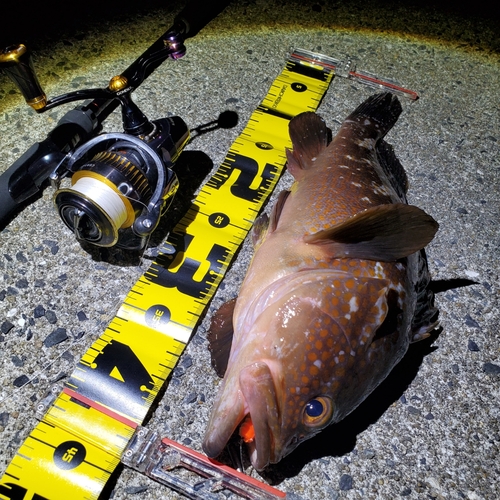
x=432, y=429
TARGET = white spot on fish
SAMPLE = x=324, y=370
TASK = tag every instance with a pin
x=353, y=304
x=379, y=189
x=347, y=316
x=367, y=122
x=364, y=337
x=318, y=363
x=366, y=143
x=343, y=166
x=365, y=198
x=357, y=184
x=352, y=353
x=400, y=266
x=379, y=270
x=349, y=157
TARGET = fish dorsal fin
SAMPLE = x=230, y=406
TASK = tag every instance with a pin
x=384, y=233
x=220, y=336
x=309, y=135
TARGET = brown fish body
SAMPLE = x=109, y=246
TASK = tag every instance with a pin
x=329, y=302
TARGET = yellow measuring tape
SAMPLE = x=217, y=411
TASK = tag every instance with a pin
x=79, y=442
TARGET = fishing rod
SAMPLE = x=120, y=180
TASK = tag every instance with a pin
x=122, y=182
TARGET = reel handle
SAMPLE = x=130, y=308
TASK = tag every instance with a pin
x=17, y=63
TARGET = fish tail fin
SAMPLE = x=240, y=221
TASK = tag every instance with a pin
x=377, y=115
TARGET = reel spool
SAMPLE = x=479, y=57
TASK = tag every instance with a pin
x=120, y=187
x=106, y=196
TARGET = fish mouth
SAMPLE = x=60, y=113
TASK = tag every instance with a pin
x=257, y=408
x=257, y=386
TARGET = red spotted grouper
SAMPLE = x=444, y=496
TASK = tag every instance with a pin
x=336, y=290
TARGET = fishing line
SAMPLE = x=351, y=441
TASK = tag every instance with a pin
x=103, y=196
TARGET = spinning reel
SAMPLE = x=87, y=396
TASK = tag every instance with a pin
x=121, y=183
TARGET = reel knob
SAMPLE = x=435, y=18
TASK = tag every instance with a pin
x=17, y=63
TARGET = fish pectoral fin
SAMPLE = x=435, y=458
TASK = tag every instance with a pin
x=220, y=336
x=277, y=209
x=259, y=229
x=310, y=136
x=265, y=224
x=384, y=233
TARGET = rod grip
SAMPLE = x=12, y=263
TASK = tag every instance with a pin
x=25, y=178
x=8, y=206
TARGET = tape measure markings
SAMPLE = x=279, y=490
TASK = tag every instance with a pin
x=52, y=456
x=88, y=419
x=74, y=449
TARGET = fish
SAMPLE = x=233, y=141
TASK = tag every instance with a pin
x=337, y=289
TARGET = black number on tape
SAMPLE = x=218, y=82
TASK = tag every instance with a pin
x=219, y=220
x=249, y=169
x=117, y=379
x=16, y=492
x=69, y=455
x=183, y=278
x=157, y=316
x=298, y=87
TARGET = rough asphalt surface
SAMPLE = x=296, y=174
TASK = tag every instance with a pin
x=432, y=429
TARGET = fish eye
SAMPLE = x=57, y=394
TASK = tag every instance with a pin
x=318, y=412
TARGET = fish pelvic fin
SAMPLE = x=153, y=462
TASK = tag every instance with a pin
x=385, y=233
x=310, y=136
x=220, y=337
x=377, y=115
